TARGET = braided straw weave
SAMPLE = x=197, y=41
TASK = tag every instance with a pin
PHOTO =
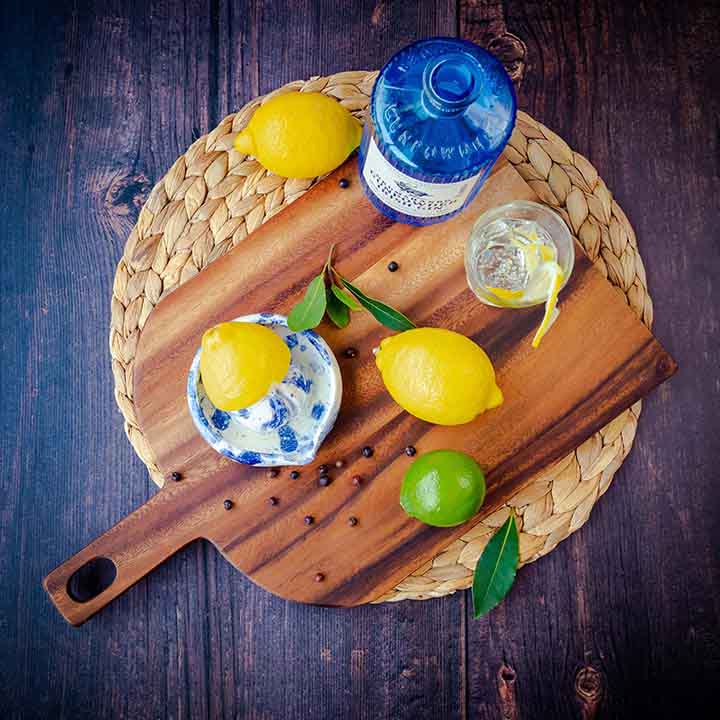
x=213, y=197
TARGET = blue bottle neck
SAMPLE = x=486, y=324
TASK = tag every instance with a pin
x=451, y=84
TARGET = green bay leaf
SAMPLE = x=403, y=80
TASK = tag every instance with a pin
x=337, y=311
x=496, y=568
x=310, y=310
x=345, y=298
x=383, y=313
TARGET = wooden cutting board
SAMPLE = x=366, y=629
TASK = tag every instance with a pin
x=597, y=361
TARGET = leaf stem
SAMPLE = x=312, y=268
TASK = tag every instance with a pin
x=337, y=275
x=328, y=262
x=328, y=268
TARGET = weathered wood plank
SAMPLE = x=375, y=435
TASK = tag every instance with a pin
x=614, y=622
x=99, y=99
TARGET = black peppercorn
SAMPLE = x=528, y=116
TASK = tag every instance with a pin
x=294, y=475
x=393, y=266
x=367, y=451
x=309, y=520
x=350, y=353
x=344, y=183
x=228, y=504
x=176, y=477
x=273, y=473
x=272, y=500
x=323, y=481
x=356, y=480
x=410, y=450
x=319, y=577
x=339, y=463
x=352, y=521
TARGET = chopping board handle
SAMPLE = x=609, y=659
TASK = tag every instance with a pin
x=127, y=552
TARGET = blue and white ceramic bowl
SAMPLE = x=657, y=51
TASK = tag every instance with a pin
x=287, y=426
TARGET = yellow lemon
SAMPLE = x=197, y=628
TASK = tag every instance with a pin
x=239, y=363
x=506, y=296
x=300, y=135
x=555, y=277
x=547, y=253
x=438, y=375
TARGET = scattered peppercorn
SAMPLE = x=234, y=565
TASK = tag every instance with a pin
x=410, y=450
x=294, y=475
x=272, y=500
x=344, y=183
x=228, y=504
x=352, y=521
x=356, y=480
x=309, y=520
x=393, y=266
x=176, y=477
x=323, y=481
x=339, y=463
x=273, y=473
x=350, y=353
x=319, y=577
x=367, y=451
x=323, y=469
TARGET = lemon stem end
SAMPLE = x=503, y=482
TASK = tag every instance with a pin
x=496, y=398
x=244, y=143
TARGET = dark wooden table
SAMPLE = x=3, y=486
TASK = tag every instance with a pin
x=621, y=621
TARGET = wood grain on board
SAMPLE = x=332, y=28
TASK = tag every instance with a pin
x=598, y=360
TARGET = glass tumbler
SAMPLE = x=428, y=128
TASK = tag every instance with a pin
x=509, y=249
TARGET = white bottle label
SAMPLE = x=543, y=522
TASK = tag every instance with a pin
x=408, y=195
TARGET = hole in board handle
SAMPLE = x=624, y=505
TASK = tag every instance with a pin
x=88, y=581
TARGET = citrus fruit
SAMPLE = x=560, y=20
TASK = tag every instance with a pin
x=239, y=362
x=443, y=488
x=300, y=135
x=554, y=274
x=438, y=375
x=505, y=295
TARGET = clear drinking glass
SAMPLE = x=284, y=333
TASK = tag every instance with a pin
x=514, y=251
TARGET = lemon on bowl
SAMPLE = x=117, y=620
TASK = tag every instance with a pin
x=438, y=375
x=239, y=363
x=300, y=135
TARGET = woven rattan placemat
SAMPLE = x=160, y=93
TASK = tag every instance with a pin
x=213, y=197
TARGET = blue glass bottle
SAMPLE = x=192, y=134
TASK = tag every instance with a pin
x=441, y=113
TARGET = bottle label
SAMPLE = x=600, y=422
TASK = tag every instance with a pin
x=409, y=195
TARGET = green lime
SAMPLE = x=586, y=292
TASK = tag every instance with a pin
x=443, y=488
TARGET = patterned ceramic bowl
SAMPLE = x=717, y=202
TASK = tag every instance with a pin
x=287, y=426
